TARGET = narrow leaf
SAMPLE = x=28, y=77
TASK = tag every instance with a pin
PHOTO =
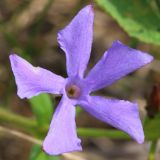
x=42, y=107
x=38, y=154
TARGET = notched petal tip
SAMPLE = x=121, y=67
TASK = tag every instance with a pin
x=13, y=59
x=50, y=144
x=76, y=41
x=50, y=151
x=62, y=135
x=121, y=114
x=140, y=140
x=31, y=80
x=12, y=54
x=90, y=7
x=89, y=10
x=145, y=57
x=148, y=58
x=116, y=42
x=21, y=94
x=136, y=129
x=16, y=60
x=139, y=136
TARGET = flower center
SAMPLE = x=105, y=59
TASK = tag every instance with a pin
x=73, y=91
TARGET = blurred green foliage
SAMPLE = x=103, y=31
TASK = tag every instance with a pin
x=38, y=154
x=151, y=127
x=42, y=108
x=139, y=18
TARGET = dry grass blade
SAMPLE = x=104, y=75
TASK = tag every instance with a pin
x=6, y=131
x=71, y=156
x=18, y=134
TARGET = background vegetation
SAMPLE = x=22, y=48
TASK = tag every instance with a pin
x=29, y=28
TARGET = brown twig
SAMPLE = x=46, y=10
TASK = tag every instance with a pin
x=6, y=131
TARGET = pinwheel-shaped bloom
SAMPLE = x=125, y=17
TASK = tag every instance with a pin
x=76, y=41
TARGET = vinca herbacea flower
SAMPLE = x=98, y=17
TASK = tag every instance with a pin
x=76, y=89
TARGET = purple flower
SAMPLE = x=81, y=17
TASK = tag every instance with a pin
x=118, y=61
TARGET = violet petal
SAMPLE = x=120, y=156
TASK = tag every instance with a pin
x=120, y=114
x=62, y=136
x=117, y=62
x=32, y=81
x=76, y=41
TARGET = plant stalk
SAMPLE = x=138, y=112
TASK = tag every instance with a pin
x=152, y=152
x=31, y=126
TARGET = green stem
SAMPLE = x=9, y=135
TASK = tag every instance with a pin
x=17, y=120
x=94, y=132
x=152, y=150
x=30, y=125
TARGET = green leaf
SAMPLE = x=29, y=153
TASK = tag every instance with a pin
x=78, y=110
x=44, y=156
x=151, y=127
x=34, y=152
x=139, y=18
x=38, y=154
x=42, y=107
